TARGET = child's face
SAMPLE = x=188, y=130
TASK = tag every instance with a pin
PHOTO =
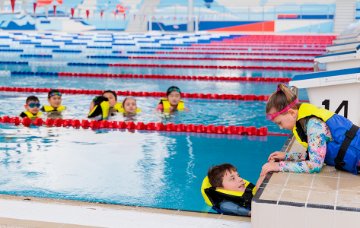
x=286, y=120
x=232, y=181
x=174, y=98
x=111, y=98
x=55, y=101
x=130, y=106
x=33, y=107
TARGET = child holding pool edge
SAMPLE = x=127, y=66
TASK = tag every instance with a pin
x=328, y=137
x=226, y=192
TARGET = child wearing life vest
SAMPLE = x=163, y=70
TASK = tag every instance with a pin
x=172, y=102
x=226, y=192
x=32, y=107
x=328, y=137
x=129, y=107
x=55, y=108
x=104, y=106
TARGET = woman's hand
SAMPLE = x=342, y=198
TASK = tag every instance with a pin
x=277, y=156
x=268, y=167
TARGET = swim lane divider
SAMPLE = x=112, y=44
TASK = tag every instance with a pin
x=151, y=126
x=215, y=96
x=154, y=76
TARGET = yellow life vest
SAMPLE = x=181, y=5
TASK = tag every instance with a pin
x=30, y=115
x=309, y=110
x=119, y=108
x=48, y=108
x=214, y=196
x=166, y=105
x=100, y=109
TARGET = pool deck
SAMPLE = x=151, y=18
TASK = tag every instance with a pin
x=17, y=211
x=329, y=199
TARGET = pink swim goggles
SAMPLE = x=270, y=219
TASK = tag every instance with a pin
x=289, y=106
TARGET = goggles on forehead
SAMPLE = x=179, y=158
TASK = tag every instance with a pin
x=289, y=106
x=55, y=94
x=34, y=104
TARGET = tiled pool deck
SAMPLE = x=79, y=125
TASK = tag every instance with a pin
x=328, y=199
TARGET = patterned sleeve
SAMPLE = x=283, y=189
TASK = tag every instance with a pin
x=294, y=156
x=318, y=134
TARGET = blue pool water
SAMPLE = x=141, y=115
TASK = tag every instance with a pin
x=162, y=170
x=141, y=168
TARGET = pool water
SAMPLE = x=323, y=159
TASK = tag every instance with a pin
x=139, y=168
x=152, y=169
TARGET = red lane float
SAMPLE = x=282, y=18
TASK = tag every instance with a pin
x=242, y=97
x=292, y=68
x=223, y=59
x=152, y=126
x=175, y=77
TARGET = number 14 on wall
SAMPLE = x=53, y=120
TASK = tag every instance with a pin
x=344, y=104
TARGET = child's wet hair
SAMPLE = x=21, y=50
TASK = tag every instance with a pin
x=32, y=98
x=281, y=98
x=216, y=174
x=112, y=92
x=172, y=89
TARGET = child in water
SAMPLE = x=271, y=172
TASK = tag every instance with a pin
x=172, y=102
x=32, y=107
x=55, y=108
x=227, y=192
x=129, y=107
x=104, y=106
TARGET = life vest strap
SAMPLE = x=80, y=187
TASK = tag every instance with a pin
x=349, y=135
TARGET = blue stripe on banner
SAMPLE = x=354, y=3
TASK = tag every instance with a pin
x=326, y=74
x=344, y=44
x=335, y=54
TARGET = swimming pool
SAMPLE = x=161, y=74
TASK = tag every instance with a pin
x=140, y=168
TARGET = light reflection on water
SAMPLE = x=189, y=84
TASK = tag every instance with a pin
x=142, y=168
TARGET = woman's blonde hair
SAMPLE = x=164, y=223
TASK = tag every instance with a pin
x=281, y=98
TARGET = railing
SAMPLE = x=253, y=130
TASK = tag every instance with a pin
x=247, y=13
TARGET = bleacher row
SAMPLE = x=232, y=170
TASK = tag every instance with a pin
x=44, y=44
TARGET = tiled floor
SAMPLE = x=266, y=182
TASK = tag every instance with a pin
x=307, y=198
